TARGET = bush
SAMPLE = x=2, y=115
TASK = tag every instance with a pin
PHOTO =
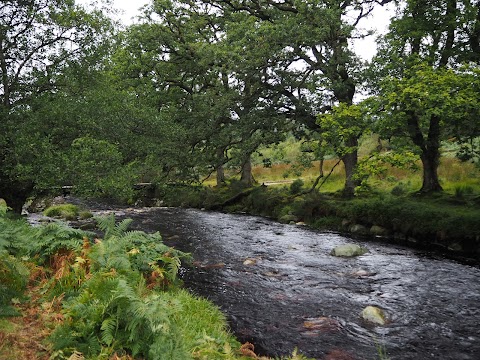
x=296, y=187
x=114, y=310
x=13, y=282
x=462, y=190
x=13, y=272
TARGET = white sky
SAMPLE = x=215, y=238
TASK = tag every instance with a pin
x=130, y=8
x=365, y=48
x=377, y=21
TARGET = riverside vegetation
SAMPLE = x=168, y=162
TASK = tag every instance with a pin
x=65, y=294
x=388, y=201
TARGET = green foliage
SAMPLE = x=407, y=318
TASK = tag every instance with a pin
x=463, y=190
x=40, y=41
x=113, y=308
x=343, y=123
x=296, y=186
x=97, y=169
x=65, y=211
x=146, y=252
x=13, y=281
x=399, y=190
x=266, y=202
x=13, y=272
x=54, y=238
x=378, y=163
x=14, y=235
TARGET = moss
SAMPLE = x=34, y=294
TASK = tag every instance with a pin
x=85, y=215
x=64, y=211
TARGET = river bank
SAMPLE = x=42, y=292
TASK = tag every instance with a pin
x=442, y=223
x=281, y=288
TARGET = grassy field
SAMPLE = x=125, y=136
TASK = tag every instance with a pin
x=456, y=177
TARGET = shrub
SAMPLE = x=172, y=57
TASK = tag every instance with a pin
x=55, y=238
x=13, y=282
x=13, y=272
x=296, y=187
x=399, y=190
x=462, y=190
x=114, y=310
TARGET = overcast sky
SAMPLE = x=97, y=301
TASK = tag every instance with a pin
x=366, y=48
x=130, y=9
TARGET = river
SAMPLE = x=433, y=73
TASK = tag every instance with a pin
x=281, y=289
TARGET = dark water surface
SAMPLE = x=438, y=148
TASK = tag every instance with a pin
x=281, y=289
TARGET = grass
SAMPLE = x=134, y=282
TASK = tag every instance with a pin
x=64, y=211
x=455, y=177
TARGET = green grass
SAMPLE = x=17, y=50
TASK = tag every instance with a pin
x=64, y=211
x=204, y=330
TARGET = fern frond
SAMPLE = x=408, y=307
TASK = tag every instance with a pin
x=108, y=329
x=105, y=223
x=122, y=227
x=111, y=229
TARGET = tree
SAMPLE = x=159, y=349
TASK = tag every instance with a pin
x=189, y=59
x=420, y=101
x=311, y=66
x=38, y=39
x=341, y=125
x=429, y=105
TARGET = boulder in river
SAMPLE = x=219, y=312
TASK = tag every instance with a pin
x=348, y=250
x=289, y=218
x=374, y=315
x=377, y=230
x=359, y=229
x=250, y=261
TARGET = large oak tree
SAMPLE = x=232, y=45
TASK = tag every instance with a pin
x=38, y=40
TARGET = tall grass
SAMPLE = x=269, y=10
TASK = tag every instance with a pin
x=453, y=173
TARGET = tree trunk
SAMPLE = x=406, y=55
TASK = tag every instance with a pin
x=431, y=158
x=220, y=170
x=220, y=176
x=350, y=162
x=430, y=151
x=430, y=162
x=15, y=194
x=247, y=177
x=320, y=166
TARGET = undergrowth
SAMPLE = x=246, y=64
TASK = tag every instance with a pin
x=113, y=298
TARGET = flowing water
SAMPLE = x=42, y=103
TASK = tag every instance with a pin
x=281, y=289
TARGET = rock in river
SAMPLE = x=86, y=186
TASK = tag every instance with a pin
x=348, y=250
x=374, y=315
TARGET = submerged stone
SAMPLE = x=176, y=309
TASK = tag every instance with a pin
x=455, y=247
x=374, y=315
x=348, y=250
x=321, y=324
x=250, y=261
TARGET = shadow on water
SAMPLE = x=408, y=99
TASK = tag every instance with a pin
x=280, y=288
